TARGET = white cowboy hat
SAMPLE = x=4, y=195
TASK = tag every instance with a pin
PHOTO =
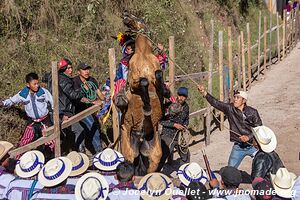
x=80, y=163
x=4, y=148
x=191, y=172
x=242, y=94
x=30, y=164
x=108, y=160
x=283, y=182
x=55, y=171
x=265, y=138
x=156, y=186
x=91, y=186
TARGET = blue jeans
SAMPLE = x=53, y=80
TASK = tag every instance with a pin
x=238, y=153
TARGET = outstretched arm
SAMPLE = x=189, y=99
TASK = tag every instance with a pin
x=11, y=101
x=213, y=101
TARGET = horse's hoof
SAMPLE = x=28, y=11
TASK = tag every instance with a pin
x=147, y=113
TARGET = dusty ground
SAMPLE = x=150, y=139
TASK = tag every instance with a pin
x=276, y=98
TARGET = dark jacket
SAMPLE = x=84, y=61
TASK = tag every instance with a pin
x=67, y=95
x=265, y=163
x=181, y=118
x=239, y=122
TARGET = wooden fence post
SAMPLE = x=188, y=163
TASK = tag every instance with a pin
x=283, y=34
x=57, y=150
x=239, y=63
x=210, y=68
x=270, y=39
x=221, y=77
x=265, y=45
x=230, y=63
x=258, y=46
x=172, y=64
x=292, y=34
x=278, y=37
x=112, y=74
x=243, y=60
x=249, y=55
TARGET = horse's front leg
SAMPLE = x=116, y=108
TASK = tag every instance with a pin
x=145, y=96
x=126, y=147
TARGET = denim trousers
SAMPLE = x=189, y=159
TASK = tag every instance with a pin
x=239, y=152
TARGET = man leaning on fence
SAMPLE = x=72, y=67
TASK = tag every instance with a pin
x=242, y=118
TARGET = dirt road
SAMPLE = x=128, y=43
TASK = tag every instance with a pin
x=276, y=98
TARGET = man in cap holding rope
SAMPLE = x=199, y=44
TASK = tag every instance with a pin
x=176, y=121
x=242, y=118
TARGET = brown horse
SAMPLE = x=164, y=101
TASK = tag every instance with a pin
x=140, y=140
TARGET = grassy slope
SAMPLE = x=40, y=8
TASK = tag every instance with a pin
x=33, y=33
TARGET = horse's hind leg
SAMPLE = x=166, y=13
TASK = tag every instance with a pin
x=126, y=147
x=145, y=96
x=155, y=154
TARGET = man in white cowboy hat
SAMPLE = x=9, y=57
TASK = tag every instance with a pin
x=6, y=175
x=266, y=160
x=283, y=183
x=191, y=172
x=91, y=186
x=156, y=186
x=53, y=176
x=27, y=167
x=242, y=118
x=126, y=188
x=107, y=161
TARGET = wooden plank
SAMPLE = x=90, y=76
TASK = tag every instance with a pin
x=239, y=63
x=270, y=38
x=112, y=75
x=56, y=129
x=243, y=61
x=278, y=37
x=231, y=78
x=74, y=119
x=254, y=46
x=32, y=145
x=265, y=45
x=259, y=45
x=172, y=64
x=210, y=68
x=221, y=76
x=292, y=35
x=283, y=34
x=249, y=55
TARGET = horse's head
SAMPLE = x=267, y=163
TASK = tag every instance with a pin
x=133, y=22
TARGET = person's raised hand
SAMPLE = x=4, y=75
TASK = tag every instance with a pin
x=179, y=126
x=244, y=138
x=202, y=89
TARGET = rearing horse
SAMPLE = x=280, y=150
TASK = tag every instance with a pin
x=140, y=140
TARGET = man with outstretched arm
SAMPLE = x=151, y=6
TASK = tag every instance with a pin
x=242, y=118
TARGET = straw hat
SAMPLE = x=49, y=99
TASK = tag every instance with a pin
x=191, y=172
x=30, y=164
x=156, y=186
x=91, y=186
x=55, y=171
x=283, y=182
x=80, y=163
x=265, y=138
x=4, y=148
x=108, y=160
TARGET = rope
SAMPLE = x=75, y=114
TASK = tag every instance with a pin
x=90, y=93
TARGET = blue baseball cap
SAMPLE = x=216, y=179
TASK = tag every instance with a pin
x=183, y=91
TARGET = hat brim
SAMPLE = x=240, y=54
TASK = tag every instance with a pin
x=268, y=148
x=84, y=177
x=86, y=163
x=285, y=193
x=147, y=196
x=185, y=181
x=49, y=183
x=98, y=165
x=23, y=174
x=7, y=146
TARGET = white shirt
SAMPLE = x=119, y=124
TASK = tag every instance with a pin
x=5, y=180
x=35, y=104
x=18, y=189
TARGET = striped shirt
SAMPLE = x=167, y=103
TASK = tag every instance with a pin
x=5, y=179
